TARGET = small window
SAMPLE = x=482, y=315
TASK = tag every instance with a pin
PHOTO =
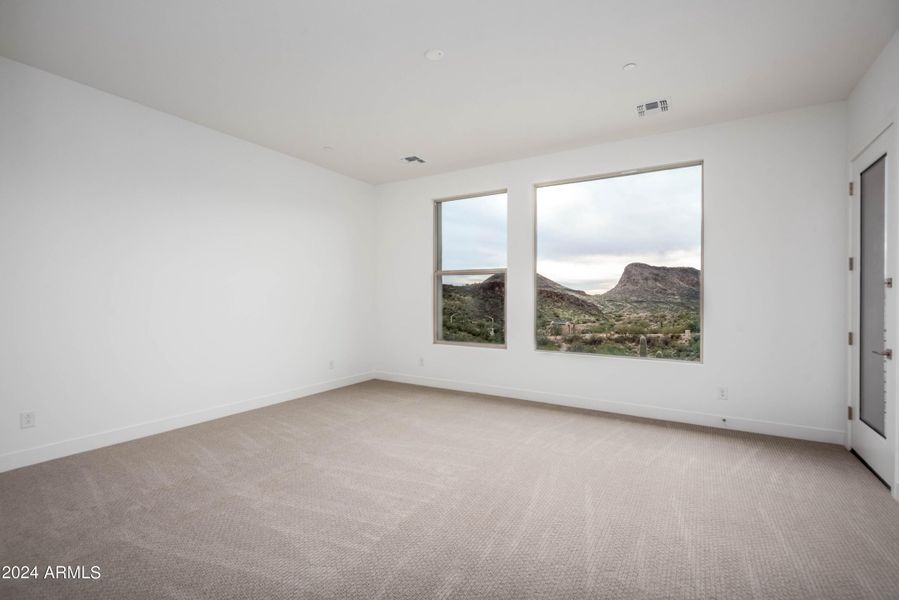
x=470, y=270
x=619, y=264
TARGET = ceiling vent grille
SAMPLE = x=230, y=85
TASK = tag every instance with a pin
x=649, y=108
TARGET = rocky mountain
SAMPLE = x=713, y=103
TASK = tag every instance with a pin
x=646, y=299
x=545, y=283
x=566, y=303
x=651, y=311
x=641, y=284
x=663, y=297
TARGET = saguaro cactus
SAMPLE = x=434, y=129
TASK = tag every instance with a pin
x=644, y=351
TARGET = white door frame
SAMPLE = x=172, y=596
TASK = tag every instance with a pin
x=886, y=142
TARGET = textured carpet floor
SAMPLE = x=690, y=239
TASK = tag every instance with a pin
x=382, y=490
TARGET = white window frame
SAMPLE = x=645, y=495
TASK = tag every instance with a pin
x=665, y=167
x=439, y=273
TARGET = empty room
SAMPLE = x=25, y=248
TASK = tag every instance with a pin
x=394, y=299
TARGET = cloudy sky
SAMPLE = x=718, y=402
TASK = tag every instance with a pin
x=474, y=233
x=588, y=232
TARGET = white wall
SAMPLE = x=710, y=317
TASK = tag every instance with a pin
x=775, y=282
x=875, y=98
x=155, y=273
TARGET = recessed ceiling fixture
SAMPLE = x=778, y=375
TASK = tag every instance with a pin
x=629, y=67
x=654, y=106
x=413, y=159
x=435, y=54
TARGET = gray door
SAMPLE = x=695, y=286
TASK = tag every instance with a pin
x=872, y=397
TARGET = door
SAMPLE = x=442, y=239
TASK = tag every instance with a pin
x=873, y=416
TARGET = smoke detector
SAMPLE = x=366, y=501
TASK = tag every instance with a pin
x=413, y=159
x=654, y=106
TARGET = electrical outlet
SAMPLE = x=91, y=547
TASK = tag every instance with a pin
x=421, y=361
x=26, y=420
x=722, y=393
x=331, y=364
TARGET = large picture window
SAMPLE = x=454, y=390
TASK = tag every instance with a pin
x=470, y=269
x=619, y=264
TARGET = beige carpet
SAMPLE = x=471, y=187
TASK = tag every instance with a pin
x=382, y=490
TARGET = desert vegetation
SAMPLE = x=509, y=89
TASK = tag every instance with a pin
x=474, y=312
x=653, y=312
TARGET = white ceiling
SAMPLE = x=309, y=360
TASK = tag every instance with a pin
x=520, y=77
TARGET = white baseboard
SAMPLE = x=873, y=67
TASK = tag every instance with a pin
x=801, y=432
x=30, y=456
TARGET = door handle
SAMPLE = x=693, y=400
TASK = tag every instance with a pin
x=886, y=353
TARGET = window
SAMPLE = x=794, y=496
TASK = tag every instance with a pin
x=619, y=264
x=470, y=269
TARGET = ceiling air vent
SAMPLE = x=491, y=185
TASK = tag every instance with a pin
x=652, y=107
x=413, y=159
